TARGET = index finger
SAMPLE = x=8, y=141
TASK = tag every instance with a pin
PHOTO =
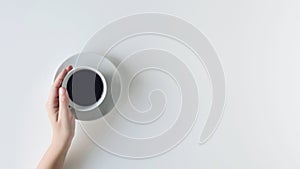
x=60, y=77
x=53, y=97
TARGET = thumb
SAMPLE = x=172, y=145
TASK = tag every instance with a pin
x=63, y=103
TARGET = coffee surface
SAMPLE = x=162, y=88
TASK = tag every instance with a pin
x=85, y=87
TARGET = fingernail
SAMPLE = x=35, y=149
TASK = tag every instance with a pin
x=61, y=91
x=69, y=67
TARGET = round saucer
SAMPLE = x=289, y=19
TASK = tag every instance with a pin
x=108, y=69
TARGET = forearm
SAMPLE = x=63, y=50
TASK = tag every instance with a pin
x=54, y=157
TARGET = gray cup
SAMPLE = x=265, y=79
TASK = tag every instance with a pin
x=86, y=87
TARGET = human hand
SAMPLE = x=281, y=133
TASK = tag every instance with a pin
x=60, y=115
x=63, y=124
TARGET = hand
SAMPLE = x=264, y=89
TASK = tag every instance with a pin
x=61, y=118
x=63, y=124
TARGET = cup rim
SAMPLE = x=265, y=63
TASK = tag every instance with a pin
x=96, y=104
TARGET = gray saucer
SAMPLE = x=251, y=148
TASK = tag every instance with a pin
x=108, y=69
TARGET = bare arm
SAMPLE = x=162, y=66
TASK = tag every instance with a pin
x=63, y=124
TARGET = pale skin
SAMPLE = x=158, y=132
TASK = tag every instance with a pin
x=62, y=122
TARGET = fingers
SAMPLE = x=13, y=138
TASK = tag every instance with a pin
x=60, y=77
x=53, y=97
x=64, y=111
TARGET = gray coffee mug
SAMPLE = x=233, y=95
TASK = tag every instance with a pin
x=86, y=87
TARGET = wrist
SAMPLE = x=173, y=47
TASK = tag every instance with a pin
x=61, y=144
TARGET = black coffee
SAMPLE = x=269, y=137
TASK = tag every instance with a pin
x=85, y=87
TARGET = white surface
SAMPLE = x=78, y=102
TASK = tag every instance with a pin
x=258, y=45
